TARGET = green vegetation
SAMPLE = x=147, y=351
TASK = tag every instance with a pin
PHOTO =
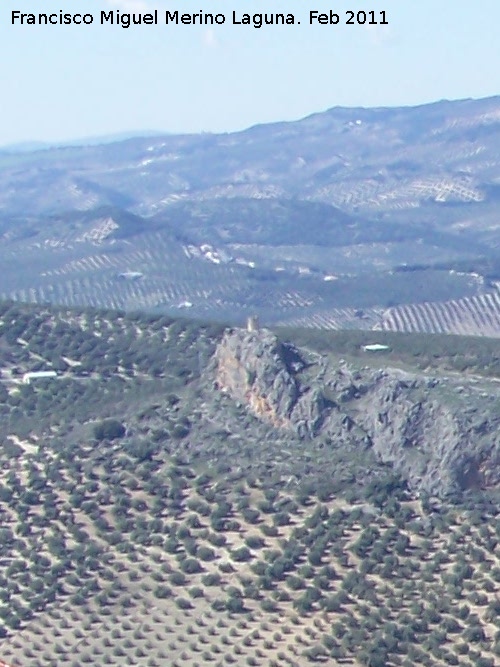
x=141, y=380
x=91, y=545
x=109, y=429
x=131, y=536
x=103, y=359
x=463, y=354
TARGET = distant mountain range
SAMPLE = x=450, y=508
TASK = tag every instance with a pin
x=97, y=140
x=381, y=218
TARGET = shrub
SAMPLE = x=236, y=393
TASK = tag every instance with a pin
x=235, y=605
x=183, y=603
x=211, y=579
x=254, y=542
x=205, y=553
x=109, y=429
x=191, y=566
x=177, y=579
x=163, y=592
x=241, y=555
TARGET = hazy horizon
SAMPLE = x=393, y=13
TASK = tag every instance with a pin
x=61, y=82
x=33, y=143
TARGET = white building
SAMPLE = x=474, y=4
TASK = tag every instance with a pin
x=375, y=347
x=38, y=375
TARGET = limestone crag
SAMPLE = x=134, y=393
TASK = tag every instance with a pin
x=442, y=434
x=256, y=369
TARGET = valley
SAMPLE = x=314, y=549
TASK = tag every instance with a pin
x=381, y=219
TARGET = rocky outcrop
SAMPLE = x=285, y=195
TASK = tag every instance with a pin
x=441, y=434
x=256, y=369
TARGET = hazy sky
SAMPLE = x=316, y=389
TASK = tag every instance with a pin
x=63, y=82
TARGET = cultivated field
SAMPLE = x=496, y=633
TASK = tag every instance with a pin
x=142, y=562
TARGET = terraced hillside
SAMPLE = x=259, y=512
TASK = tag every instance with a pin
x=111, y=259
x=472, y=316
x=386, y=211
x=147, y=517
x=469, y=316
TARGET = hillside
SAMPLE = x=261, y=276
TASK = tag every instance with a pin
x=179, y=493
x=380, y=219
x=196, y=390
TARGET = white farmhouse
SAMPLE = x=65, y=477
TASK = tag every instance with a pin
x=375, y=347
x=38, y=375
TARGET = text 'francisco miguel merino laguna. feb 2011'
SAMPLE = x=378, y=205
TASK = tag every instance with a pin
x=155, y=17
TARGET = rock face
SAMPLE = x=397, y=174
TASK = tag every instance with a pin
x=440, y=433
x=256, y=369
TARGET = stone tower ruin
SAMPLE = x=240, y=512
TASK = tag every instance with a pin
x=253, y=323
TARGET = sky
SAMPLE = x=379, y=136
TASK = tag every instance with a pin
x=66, y=82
